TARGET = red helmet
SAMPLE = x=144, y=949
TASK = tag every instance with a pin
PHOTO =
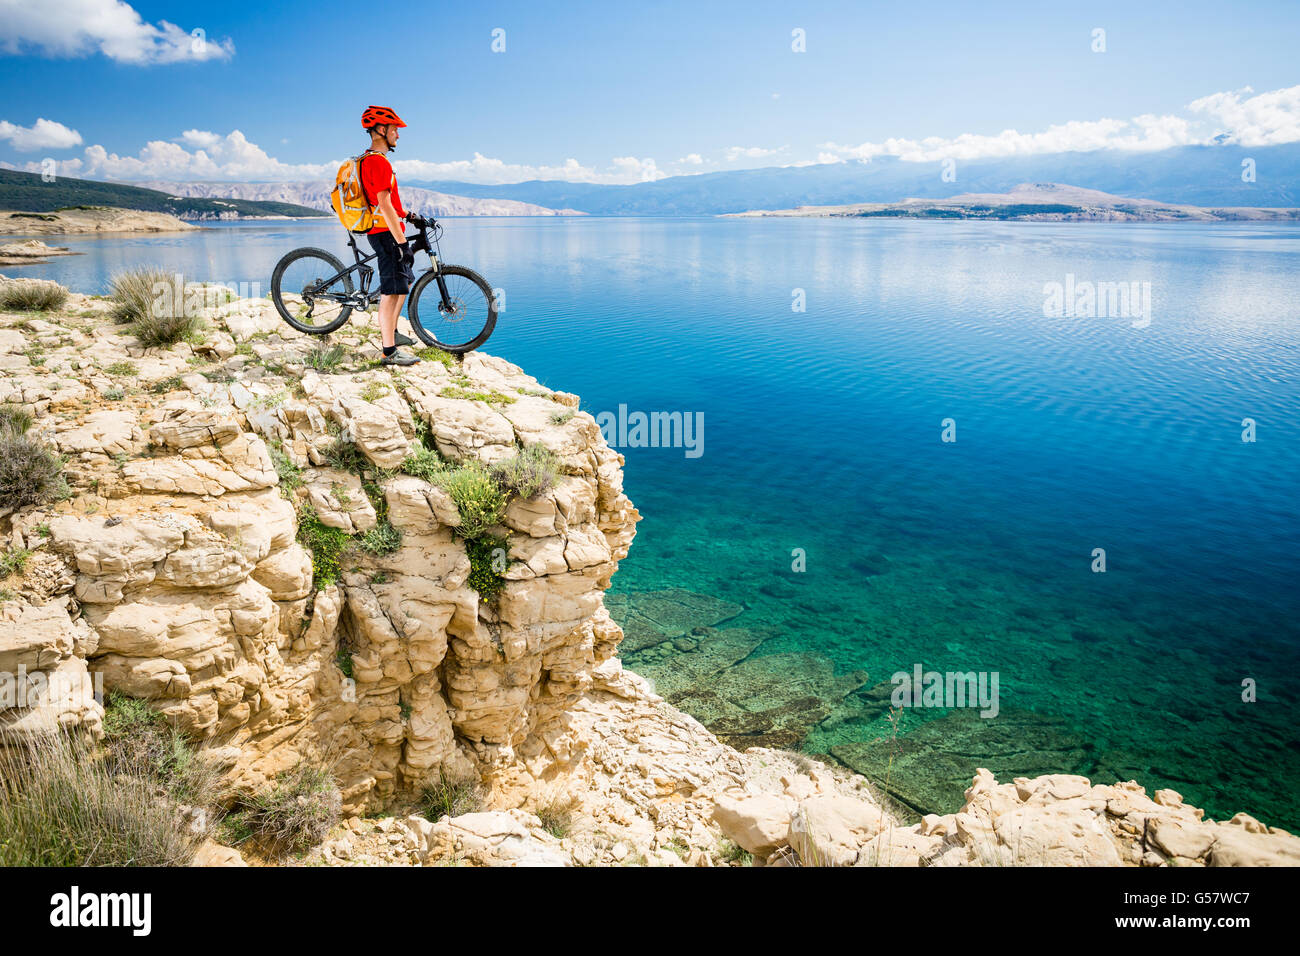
x=378, y=116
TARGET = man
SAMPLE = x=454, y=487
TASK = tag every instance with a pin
x=388, y=237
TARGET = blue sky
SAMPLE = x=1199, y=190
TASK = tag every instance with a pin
x=620, y=92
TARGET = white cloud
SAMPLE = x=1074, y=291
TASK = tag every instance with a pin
x=204, y=155
x=751, y=152
x=43, y=134
x=484, y=169
x=692, y=159
x=230, y=157
x=69, y=28
x=1264, y=120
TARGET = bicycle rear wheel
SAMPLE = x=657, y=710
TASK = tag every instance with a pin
x=467, y=323
x=304, y=294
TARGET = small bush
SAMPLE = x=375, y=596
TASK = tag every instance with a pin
x=343, y=454
x=295, y=812
x=423, y=463
x=733, y=853
x=121, y=368
x=556, y=815
x=325, y=358
x=491, y=397
x=289, y=473
x=451, y=797
x=563, y=418
x=163, y=386
x=531, y=472
x=437, y=355
x=15, y=418
x=30, y=472
x=327, y=546
x=382, y=539
x=487, y=562
x=133, y=293
x=478, y=498
x=139, y=743
x=62, y=806
x=26, y=295
x=114, y=395
x=147, y=298
x=374, y=391
x=13, y=561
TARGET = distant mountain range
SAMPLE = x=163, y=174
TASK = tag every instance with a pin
x=1039, y=202
x=1190, y=175
x=28, y=192
x=1203, y=176
x=317, y=196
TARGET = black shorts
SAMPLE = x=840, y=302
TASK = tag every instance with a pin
x=393, y=279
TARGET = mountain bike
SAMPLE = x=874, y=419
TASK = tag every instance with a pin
x=315, y=293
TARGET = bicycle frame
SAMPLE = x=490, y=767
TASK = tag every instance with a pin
x=363, y=298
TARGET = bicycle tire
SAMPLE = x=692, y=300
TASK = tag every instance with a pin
x=277, y=293
x=427, y=337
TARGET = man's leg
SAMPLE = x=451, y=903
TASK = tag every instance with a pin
x=388, y=319
x=390, y=310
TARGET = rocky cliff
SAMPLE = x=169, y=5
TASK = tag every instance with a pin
x=250, y=542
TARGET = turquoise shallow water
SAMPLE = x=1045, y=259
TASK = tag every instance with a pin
x=822, y=433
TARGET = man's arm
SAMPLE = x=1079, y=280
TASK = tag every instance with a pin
x=395, y=224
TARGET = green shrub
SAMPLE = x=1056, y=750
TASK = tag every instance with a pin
x=147, y=298
x=15, y=418
x=451, y=797
x=343, y=454
x=139, y=743
x=343, y=658
x=374, y=391
x=289, y=473
x=133, y=293
x=733, y=853
x=423, y=463
x=478, y=498
x=382, y=539
x=531, y=472
x=30, y=472
x=325, y=358
x=327, y=546
x=487, y=562
x=62, y=806
x=27, y=295
x=120, y=368
x=295, y=812
x=437, y=355
x=556, y=815
x=13, y=561
x=163, y=386
x=491, y=396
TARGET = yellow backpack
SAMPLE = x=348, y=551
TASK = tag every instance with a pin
x=349, y=198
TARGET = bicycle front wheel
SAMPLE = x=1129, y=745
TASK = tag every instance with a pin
x=309, y=293
x=461, y=323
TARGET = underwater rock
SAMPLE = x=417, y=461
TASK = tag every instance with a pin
x=933, y=761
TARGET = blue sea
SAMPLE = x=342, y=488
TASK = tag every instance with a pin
x=827, y=537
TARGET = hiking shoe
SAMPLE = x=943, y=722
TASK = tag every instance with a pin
x=398, y=358
x=400, y=339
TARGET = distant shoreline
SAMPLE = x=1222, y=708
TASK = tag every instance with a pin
x=1035, y=202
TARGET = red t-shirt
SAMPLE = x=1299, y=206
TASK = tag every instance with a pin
x=376, y=176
